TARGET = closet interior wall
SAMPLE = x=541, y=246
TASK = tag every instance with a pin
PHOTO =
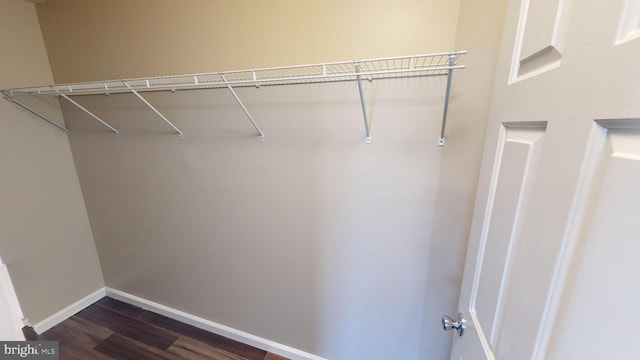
x=312, y=238
x=118, y=39
x=46, y=239
x=479, y=30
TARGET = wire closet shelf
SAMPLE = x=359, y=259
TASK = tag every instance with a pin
x=438, y=64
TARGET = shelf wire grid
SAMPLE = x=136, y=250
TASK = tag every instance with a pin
x=382, y=68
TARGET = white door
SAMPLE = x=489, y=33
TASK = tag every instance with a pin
x=553, y=269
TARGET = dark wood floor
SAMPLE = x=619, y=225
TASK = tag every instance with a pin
x=111, y=329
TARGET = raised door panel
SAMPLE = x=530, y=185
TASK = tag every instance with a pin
x=601, y=289
x=515, y=171
x=629, y=27
x=541, y=34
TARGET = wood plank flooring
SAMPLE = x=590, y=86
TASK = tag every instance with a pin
x=111, y=329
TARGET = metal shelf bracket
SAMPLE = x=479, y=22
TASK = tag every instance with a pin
x=86, y=111
x=452, y=62
x=27, y=108
x=412, y=66
x=244, y=109
x=367, y=138
x=180, y=134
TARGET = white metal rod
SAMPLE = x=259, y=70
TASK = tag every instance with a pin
x=180, y=134
x=454, y=53
x=431, y=56
x=434, y=55
x=452, y=60
x=276, y=80
x=86, y=111
x=246, y=112
x=255, y=78
x=364, y=110
x=27, y=108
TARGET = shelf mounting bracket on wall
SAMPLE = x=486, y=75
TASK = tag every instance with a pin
x=452, y=62
x=246, y=112
x=86, y=111
x=27, y=108
x=180, y=134
x=367, y=138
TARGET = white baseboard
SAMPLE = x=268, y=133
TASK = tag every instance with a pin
x=231, y=333
x=67, y=312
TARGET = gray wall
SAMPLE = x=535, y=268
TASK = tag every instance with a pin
x=479, y=32
x=46, y=240
x=312, y=238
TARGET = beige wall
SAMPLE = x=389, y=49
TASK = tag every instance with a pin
x=46, y=239
x=479, y=31
x=312, y=238
x=105, y=39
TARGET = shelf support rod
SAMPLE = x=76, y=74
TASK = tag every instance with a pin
x=452, y=62
x=86, y=111
x=246, y=112
x=367, y=138
x=25, y=107
x=180, y=134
